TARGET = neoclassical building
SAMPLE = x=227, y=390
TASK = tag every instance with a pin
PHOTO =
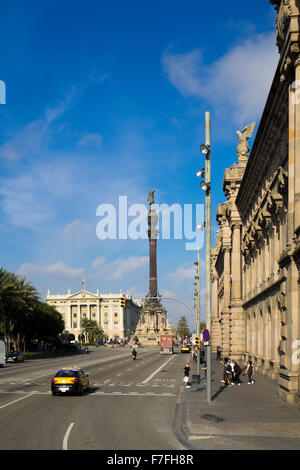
x=105, y=309
x=256, y=258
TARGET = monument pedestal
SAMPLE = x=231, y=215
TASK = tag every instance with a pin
x=152, y=324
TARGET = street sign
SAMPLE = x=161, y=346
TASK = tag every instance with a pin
x=206, y=335
x=206, y=343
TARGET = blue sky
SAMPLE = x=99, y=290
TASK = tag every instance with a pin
x=105, y=99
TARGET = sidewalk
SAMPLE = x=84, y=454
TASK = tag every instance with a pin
x=246, y=415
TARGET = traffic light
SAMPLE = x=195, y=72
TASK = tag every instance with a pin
x=123, y=302
x=197, y=342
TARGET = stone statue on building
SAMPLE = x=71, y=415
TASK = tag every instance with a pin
x=243, y=147
x=151, y=197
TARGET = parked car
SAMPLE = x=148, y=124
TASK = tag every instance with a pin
x=16, y=356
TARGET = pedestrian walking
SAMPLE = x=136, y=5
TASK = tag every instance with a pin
x=237, y=373
x=226, y=371
x=202, y=355
x=186, y=376
x=218, y=353
x=194, y=355
x=232, y=372
x=250, y=372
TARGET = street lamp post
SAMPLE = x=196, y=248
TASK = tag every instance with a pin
x=198, y=311
x=197, y=308
x=206, y=186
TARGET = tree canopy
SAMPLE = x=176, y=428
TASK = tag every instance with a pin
x=23, y=315
x=182, y=328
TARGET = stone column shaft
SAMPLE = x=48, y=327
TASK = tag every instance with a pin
x=236, y=264
x=297, y=150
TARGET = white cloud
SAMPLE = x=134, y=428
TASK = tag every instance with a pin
x=119, y=268
x=187, y=272
x=92, y=139
x=33, y=197
x=77, y=229
x=33, y=139
x=183, y=273
x=237, y=82
x=59, y=269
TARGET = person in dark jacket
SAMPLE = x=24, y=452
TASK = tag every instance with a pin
x=250, y=372
x=236, y=373
x=186, y=376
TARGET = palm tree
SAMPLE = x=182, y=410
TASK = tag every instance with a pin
x=25, y=313
x=10, y=300
x=18, y=299
x=92, y=330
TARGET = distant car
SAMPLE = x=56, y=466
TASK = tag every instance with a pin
x=186, y=348
x=16, y=356
x=73, y=380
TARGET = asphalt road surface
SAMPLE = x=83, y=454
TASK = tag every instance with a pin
x=130, y=404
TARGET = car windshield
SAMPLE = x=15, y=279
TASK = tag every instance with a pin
x=67, y=373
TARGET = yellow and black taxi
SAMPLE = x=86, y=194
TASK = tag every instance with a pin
x=72, y=380
x=186, y=348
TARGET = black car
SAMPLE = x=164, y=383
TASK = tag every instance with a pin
x=16, y=356
x=72, y=380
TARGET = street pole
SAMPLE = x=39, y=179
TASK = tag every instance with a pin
x=208, y=252
x=198, y=311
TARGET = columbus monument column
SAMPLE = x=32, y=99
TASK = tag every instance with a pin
x=153, y=320
x=152, y=235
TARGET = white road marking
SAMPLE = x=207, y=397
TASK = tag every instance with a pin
x=15, y=401
x=90, y=394
x=65, y=441
x=155, y=372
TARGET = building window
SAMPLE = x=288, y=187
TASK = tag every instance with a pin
x=74, y=325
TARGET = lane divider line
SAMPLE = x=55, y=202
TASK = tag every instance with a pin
x=65, y=441
x=155, y=372
x=15, y=401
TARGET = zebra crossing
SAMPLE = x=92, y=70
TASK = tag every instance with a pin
x=162, y=388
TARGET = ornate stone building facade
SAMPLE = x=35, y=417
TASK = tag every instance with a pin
x=105, y=309
x=256, y=259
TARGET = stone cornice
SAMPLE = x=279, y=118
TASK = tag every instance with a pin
x=268, y=209
x=286, y=22
x=271, y=137
x=233, y=177
x=266, y=292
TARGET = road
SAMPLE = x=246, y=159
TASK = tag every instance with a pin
x=130, y=404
